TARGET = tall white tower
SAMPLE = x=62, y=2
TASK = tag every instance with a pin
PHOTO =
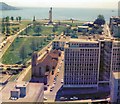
x=50, y=15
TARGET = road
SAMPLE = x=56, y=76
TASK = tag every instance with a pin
x=11, y=39
x=25, y=36
x=50, y=95
x=107, y=31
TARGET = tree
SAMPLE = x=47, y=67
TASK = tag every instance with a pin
x=37, y=29
x=12, y=18
x=19, y=18
x=7, y=19
x=100, y=20
x=23, y=53
x=54, y=29
x=26, y=31
x=3, y=29
x=7, y=30
x=33, y=45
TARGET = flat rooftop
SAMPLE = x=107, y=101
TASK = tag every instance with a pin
x=62, y=39
x=34, y=91
x=22, y=84
x=84, y=27
x=4, y=78
x=83, y=40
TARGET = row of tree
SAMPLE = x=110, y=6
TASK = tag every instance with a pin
x=6, y=25
x=7, y=19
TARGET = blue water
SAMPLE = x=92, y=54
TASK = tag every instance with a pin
x=83, y=14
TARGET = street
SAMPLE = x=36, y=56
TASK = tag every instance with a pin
x=107, y=31
x=51, y=95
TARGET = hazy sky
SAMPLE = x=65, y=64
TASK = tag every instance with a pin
x=64, y=3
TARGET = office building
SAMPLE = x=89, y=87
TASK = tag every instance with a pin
x=115, y=87
x=90, y=62
x=82, y=58
x=115, y=26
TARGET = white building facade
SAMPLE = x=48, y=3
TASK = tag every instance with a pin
x=115, y=88
x=81, y=65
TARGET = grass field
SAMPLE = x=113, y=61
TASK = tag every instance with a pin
x=12, y=56
x=45, y=30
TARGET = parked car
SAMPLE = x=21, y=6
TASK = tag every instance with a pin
x=61, y=80
x=58, y=70
x=71, y=98
x=45, y=98
x=63, y=98
x=75, y=98
x=51, y=89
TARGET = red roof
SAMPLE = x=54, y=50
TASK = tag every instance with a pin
x=49, y=59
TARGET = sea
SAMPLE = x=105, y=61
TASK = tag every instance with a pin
x=82, y=14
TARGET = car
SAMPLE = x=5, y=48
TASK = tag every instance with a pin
x=54, y=82
x=52, y=72
x=45, y=98
x=75, y=98
x=63, y=98
x=51, y=89
x=58, y=70
x=53, y=85
x=55, y=78
x=71, y=98
x=61, y=80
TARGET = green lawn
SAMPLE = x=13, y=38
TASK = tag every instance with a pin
x=12, y=56
x=45, y=30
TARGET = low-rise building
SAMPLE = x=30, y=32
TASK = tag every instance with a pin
x=60, y=43
x=43, y=66
x=11, y=94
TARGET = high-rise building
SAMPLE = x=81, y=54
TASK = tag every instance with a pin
x=115, y=26
x=115, y=87
x=90, y=62
x=115, y=62
x=82, y=58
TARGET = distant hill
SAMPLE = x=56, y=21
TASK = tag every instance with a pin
x=4, y=6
